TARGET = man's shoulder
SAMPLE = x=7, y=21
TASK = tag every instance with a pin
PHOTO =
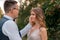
x=9, y=22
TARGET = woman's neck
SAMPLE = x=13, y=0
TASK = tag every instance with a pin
x=37, y=26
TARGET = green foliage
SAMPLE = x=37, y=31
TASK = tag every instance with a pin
x=51, y=11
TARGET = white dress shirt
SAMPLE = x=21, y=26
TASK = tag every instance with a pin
x=10, y=29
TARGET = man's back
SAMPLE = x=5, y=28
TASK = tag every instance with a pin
x=2, y=36
x=10, y=28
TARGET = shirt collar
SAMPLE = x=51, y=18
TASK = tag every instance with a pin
x=8, y=17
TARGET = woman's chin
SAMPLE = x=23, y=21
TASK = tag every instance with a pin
x=33, y=22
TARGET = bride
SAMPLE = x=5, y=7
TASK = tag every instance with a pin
x=38, y=30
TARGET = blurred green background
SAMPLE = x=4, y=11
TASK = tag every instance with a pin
x=52, y=13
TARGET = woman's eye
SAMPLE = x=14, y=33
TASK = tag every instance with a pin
x=32, y=14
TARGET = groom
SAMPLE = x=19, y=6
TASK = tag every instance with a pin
x=8, y=28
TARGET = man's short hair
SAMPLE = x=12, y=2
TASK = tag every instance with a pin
x=8, y=5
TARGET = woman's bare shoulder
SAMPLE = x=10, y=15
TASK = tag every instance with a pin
x=43, y=29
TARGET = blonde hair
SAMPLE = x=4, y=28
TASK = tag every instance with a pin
x=40, y=16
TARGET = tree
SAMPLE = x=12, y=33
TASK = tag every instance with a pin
x=52, y=12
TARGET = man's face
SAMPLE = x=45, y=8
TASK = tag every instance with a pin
x=15, y=11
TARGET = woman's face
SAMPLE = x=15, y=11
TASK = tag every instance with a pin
x=32, y=16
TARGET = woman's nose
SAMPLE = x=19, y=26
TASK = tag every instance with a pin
x=30, y=16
